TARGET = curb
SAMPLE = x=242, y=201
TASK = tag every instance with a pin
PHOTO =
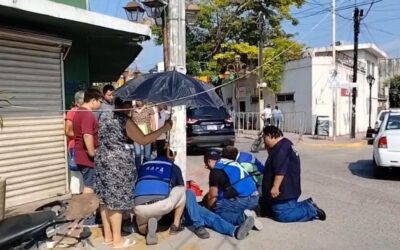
x=338, y=145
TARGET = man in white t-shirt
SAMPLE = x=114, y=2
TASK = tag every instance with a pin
x=266, y=115
x=162, y=115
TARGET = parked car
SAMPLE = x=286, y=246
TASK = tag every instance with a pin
x=386, y=149
x=209, y=127
x=381, y=115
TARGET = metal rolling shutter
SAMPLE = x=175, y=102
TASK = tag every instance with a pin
x=32, y=142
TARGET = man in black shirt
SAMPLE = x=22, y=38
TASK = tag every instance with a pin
x=281, y=182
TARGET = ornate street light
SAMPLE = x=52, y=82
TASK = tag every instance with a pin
x=155, y=9
x=134, y=11
x=191, y=13
x=370, y=80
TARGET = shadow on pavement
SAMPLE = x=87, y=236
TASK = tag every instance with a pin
x=364, y=169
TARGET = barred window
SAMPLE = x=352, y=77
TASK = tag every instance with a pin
x=285, y=97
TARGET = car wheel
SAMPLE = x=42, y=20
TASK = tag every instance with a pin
x=378, y=171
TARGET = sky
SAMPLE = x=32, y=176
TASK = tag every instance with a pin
x=379, y=26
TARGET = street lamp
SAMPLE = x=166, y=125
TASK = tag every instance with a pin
x=191, y=13
x=155, y=9
x=370, y=80
x=134, y=11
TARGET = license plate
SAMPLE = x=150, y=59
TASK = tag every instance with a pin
x=212, y=127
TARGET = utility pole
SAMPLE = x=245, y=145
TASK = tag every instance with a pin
x=334, y=73
x=176, y=30
x=261, y=23
x=357, y=20
x=176, y=60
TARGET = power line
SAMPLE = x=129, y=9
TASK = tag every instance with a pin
x=369, y=33
x=382, y=31
x=346, y=7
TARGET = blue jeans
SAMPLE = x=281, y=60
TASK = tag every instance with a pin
x=294, y=211
x=232, y=210
x=138, y=153
x=198, y=216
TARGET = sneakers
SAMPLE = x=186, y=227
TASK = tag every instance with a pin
x=202, y=233
x=175, y=230
x=151, y=237
x=321, y=215
x=243, y=230
x=257, y=223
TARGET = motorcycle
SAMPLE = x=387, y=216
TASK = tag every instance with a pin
x=47, y=227
x=257, y=144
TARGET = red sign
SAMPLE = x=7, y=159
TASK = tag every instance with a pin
x=344, y=92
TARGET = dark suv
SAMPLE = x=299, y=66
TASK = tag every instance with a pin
x=209, y=127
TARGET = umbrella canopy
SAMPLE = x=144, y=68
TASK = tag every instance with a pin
x=172, y=87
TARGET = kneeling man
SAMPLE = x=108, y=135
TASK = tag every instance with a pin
x=159, y=190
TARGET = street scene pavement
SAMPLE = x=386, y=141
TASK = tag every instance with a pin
x=362, y=212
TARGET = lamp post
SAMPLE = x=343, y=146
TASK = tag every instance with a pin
x=370, y=80
x=171, y=16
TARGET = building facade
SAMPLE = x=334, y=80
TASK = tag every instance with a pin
x=48, y=51
x=309, y=87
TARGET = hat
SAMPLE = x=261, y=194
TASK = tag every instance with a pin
x=212, y=155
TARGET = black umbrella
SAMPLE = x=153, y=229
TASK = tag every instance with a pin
x=171, y=87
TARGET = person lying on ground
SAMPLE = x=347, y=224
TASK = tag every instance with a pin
x=200, y=217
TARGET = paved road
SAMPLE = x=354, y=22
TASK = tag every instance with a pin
x=362, y=212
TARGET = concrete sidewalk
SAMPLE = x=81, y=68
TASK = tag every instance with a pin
x=315, y=141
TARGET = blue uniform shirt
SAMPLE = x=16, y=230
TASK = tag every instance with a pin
x=283, y=160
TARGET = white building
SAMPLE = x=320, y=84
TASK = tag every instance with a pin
x=307, y=86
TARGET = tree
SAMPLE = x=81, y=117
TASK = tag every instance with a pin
x=226, y=27
x=394, y=91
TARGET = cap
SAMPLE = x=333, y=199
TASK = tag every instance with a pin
x=212, y=155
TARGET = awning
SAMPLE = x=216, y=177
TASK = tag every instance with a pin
x=112, y=42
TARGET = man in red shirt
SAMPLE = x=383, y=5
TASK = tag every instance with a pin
x=76, y=182
x=85, y=130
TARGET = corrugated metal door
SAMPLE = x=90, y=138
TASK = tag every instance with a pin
x=32, y=143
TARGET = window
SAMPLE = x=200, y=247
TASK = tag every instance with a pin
x=254, y=99
x=393, y=122
x=285, y=97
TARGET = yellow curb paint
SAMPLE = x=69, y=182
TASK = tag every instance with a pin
x=337, y=145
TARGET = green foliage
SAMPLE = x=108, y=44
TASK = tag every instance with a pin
x=225, y=28
x=394, y=91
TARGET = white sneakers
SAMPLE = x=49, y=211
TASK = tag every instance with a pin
x=257, y=223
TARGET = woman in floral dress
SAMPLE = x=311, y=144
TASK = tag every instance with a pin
x=115, y=168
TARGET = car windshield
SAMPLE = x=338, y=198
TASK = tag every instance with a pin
x=393, y=122
x=208, y=112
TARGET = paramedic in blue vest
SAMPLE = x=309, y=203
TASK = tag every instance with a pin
x=252, y=165
x=281, y=181
x=159, y=190
x=232, y=190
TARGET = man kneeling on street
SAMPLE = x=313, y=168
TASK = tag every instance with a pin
x=281, y=181
x=233, y=191
x=159, y=190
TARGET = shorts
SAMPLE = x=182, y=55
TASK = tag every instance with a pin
x=88, y=175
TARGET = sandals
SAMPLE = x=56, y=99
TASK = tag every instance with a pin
x=127, y=243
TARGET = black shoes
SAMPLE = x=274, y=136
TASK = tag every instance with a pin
x=320, y=213
x=202, y=233
x=175, y=230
